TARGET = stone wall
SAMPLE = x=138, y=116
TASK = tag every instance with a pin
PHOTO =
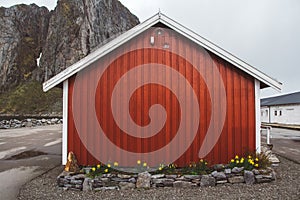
x=71, y=181
x=15, y=123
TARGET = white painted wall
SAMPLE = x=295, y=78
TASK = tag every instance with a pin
x=284, y=114
x=264, y=114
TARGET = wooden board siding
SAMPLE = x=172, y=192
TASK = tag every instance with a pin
x=238, y=134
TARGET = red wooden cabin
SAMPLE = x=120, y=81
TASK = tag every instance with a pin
x=221, y=94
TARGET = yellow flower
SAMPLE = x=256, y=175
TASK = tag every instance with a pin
x=242, y=160
x=98, y=166
x=138, y=162
x=232, y=160
x=201, y=160
x=93, y=169
x=237, y=162
x=205, y=163
x=160, y=168
x=108, y=165
x=116, y=164
x=145, y=164
x=256, y=165
x=236, y=157
x=106, y=170
x=249, y=157
x=256, y=159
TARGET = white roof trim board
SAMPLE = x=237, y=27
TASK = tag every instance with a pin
x=110, y=46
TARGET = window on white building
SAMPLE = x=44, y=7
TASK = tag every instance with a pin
x=280, y=113
x=275, y=112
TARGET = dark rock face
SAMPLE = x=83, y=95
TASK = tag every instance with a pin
x=63, y=36
x=23, y=32
x=78, y=27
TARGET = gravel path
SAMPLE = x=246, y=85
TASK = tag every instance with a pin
x=287, y=186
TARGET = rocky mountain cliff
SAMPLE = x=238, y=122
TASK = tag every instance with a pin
x=23, y=33
x=60, y=37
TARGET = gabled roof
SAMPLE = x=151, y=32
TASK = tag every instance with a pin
x=293, y=98
x=160, y=18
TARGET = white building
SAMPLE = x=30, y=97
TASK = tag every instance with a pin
x=284, y=109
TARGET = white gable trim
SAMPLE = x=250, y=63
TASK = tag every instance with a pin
x=257, y=116
x=107, y=48
x=65, y=123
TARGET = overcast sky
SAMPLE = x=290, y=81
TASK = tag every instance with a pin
x=265, y=34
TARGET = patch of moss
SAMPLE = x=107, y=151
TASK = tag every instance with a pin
x=29, y=98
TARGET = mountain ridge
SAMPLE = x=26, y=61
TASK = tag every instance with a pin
x=59, y=37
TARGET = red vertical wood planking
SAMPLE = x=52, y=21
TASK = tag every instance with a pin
x=238, y=134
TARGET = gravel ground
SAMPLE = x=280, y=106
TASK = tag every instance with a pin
x=287, y=186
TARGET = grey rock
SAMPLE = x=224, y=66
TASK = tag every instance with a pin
x=262, y=179
x=143, y=180
x=89, y=23
x=181, y=178
x=126, y=185
x=273, y=174
x=132, y=180
x=171, y=176
x=79, y=176
x=59, y=38
x=221, y=181
x=237, y=170
x=76, y=182
x=218, y=175
x=207, y=180
x=155, y=176
x=79, y=187
x=108, y=175
x=23, y=34
x=264, y=171
x=236, y=179
x=267, y=176
x=249, y=177
x=86, y=186
x=104, y=179
x=255, y=171
x=182, y=184
x=192, y=177
x=68, y=185
x=163, y=182
x=124, y=176
x=116, y=179
x=227, y=171
x=107, y=188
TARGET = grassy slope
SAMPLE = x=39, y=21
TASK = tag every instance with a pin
x=29, y=98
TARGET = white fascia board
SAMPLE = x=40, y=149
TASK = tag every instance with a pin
x=257, y=116
x=65, y=122
x=102, y=51
x=221, y=52
x=105, y=49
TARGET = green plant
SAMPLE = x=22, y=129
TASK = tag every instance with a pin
x=251, y=161
x=29, y=98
